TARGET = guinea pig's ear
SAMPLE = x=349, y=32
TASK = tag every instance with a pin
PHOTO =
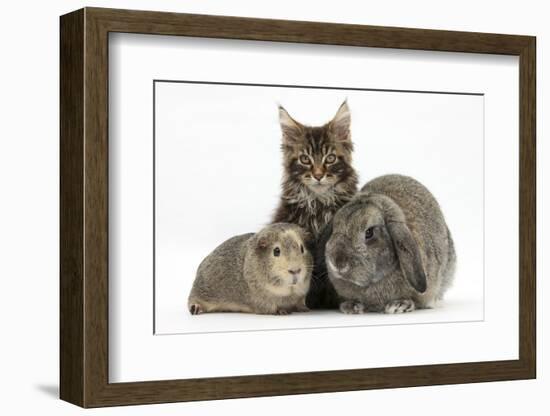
x=408, y=254
x=262, y=243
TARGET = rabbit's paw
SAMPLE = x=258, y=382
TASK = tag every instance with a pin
x=352, y=307
x=400, y=306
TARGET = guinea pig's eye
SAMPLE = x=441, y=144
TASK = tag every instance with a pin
x=305, y=159
x=369, y=233
x=302, y=248
x=330, y=158
x=276, y=251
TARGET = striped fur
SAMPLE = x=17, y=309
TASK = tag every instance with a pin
x=318, y=176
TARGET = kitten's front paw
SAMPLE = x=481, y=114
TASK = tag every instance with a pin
x=352, y=307
x=301, y=308
x=400, y=306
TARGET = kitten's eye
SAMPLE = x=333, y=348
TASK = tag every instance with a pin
x=305, y=159
x=302, y=248
x=276, y=251
x=330, y=158
x=369, y=233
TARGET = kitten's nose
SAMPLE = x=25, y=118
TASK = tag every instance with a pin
x=318, y=175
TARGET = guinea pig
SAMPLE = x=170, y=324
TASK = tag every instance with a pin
x=265, y=273
x=389, y=249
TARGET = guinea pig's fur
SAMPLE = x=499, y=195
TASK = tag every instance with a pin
x=266, y=273
x=389, y=249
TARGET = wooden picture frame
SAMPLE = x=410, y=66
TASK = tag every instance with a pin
x=84, y=207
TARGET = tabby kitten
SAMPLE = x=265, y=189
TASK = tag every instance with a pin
x=318, y=177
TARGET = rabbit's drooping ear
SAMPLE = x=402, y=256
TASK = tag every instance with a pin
x=408, y=254
x=291, y=128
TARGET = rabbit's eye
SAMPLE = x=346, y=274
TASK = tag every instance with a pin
x=369, y=233
x=276, y=251
x=302, y=248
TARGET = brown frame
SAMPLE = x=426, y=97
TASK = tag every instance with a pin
x=84, y=209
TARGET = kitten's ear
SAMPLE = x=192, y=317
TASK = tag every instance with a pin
x=340, y=124
x=290, y=127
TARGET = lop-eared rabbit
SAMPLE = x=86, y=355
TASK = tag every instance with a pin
x=389, y=248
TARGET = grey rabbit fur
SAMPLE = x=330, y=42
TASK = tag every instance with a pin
x=389, y=248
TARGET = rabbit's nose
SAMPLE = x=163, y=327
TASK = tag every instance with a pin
x=344, y=269
x=340, y=260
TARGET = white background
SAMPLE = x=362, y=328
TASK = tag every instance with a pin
x=29, y=220
x=218, y=174
x=136, y=355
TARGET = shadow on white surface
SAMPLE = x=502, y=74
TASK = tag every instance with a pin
x=455, y=309
x=51, y=390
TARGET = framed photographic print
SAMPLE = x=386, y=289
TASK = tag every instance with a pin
x=255, y=207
